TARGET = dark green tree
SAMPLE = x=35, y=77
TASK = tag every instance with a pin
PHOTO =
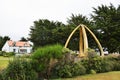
x=75, y=20
x=107, y=23
x=23, y=39
x=3, y=41
x=61, y=34
x=45, y=32
x=42, y=32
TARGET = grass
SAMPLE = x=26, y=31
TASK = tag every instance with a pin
x=114, y=75
x=4, y=62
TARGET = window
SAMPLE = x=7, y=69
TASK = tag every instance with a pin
x=23, y=50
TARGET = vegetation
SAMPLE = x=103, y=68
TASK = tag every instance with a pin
x=19, y=69
x=45, y=32
x=6, y=54
x=23, y=39
x=3, y=40
x=92, y=64
x=52, y=61
x=51, y=66
x=115, y=75
x=104, y=22
x=69, y=69
x=42, y=33
x=45, y=58
x=4, y=61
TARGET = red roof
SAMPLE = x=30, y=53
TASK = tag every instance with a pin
x=18, y=43
x=10, y=42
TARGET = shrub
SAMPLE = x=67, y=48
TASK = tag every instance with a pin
x=78, y=69
x=92, y=64
x=61, y=70
x=19, y=69
x=98, y=64
x=92, y=71
x=53, y=51
x=45, y=58
x=111, y=57
x=66, y=50
x=1, y=78
x=106, y=66
x=8, y=54
x=118, y=57
x=2, y=53
x=91, y=53
x=65, y=69
x=113, y=61
x=116, y=65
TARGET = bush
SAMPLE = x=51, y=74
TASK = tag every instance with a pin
x=78, y=69
x=92, y=64
x=113, y=60
x=53, y=51
x=1, y=78
x=91, y=53
x=92, y=71
x=63, y=71
x=45, y=58
x=111, y=57
x=98, y=64
x=116, y=65
x=118, y=57
x=66, y=50
x=106, y=66
x=67, y=69
x=19, y=69
x=2, y=53
x=8, y=54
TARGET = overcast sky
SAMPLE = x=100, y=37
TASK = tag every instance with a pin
x=16, y=16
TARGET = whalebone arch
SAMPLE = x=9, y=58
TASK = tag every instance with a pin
x=83, y=41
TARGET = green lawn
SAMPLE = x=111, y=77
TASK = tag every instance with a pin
x=115, y=75
x=4, y=62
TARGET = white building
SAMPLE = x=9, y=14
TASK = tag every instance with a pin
x=17, y=47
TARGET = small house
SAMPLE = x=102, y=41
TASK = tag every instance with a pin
x=17, y=47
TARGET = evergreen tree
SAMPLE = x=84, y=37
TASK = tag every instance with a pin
x=107, y=22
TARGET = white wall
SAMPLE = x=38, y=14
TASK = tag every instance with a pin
x=5, y=47
x=8, y=48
